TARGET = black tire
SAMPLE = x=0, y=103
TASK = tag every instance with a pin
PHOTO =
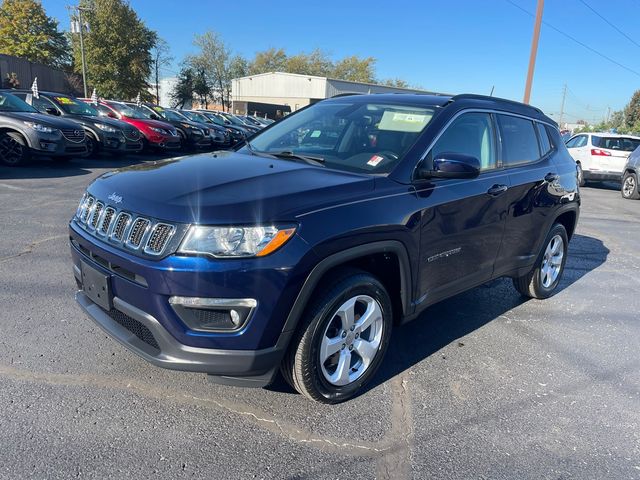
x=532, y=284
x=14, y=150
x=629, y=189
x=580, y=175
x=93, y=147
x=302, y=366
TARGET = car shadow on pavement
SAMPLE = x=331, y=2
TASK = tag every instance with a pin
x=452, y=319
x=50, y=168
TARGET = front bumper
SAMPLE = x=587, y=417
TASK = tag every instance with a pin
x=146, y=337
x=55, y=146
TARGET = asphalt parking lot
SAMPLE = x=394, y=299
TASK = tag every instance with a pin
x=484, y=385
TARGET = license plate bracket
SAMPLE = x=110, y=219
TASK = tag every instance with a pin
x=96, y=286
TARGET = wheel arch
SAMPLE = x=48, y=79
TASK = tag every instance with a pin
x=568, y=219
x=22, y=133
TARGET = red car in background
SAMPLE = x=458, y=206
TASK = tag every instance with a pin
x=156, y=134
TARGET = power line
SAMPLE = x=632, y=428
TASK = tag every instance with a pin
x=610, y=24
x=576, y=40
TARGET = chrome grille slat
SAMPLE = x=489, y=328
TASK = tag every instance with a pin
x=122, y=222
x=109, y=213
x=87, y=209
x=95, y=216
x=73, y=135
x=158, y=239
x=138, y=230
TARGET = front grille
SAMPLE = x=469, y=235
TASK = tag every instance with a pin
x=138, y=230
x=121, y=224
x=145, y=236
x=106, y=220
x=73, y=135
x=159, y=237
x=132, y=134
x=135, y=327
x=96, y=214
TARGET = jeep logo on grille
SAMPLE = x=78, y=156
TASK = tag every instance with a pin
x=115, y=198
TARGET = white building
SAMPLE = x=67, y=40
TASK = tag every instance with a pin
x=167, y=85
x=296, y=91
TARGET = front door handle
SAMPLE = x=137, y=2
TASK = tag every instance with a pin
x=497, y=190
x=551, y=177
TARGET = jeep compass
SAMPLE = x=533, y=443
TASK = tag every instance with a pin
x=304, y=247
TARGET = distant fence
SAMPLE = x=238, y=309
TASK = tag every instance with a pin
x=49, y=78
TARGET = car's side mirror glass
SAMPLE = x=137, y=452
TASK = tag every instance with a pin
x=111, y=115
x=52, y=111
x=153, y=116
x=451, y=165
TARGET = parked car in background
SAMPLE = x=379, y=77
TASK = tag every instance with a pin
x=192, y=135
x=232, y=119
x=27, y=133
x=601, y=156
x=237, y=133
x=228, y=134
x=251, y=121
x=301, y=257
x=155, y=134
x=103, y=133
x=630, y=189
x=219, y=136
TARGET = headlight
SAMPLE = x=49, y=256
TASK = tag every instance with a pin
x=161, y=131
x=38, y=127
x=106, y=128
x=235, y=241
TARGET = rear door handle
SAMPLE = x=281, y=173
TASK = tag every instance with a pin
x=497, y=190
x=551, y=177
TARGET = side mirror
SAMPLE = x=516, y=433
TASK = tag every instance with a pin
x=111, y=115
x=52, y=111
x=153, y=116
x=452, y=165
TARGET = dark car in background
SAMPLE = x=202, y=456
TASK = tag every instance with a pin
x=300, y=250
x=103, y=133
x=237, y=133
x=218, y=132
x=26, y=132
x=156, y=135
x=233, y=120
x=192, y=134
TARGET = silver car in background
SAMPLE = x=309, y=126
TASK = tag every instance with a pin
x=630, y=176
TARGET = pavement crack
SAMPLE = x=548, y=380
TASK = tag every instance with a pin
x=30, y=248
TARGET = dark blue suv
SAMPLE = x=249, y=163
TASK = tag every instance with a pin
x=302, y=248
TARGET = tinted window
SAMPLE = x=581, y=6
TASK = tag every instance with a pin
x=624, y=144
x=102, y=110
x=545, y=143
x=519, y=140
x=41, y=104
x=581, y=141
x=470, y=134
x=572, y=142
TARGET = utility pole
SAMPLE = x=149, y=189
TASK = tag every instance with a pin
x=534, y=51
x=79, y=10
x=564, y=95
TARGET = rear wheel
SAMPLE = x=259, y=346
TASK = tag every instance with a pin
x=14, y=150
x=92, y=145
x=630, y=186
x=547, y=272
x=580, y=174
x=342, y=339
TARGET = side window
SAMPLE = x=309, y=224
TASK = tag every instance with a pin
x=102, y=110
x=469, y=134
x=519, y=141
x=545, y=143
x=41, y=104
x=572, y=143
x=581, y=141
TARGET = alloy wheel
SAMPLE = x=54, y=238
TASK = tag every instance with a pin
x=629, y=186
x=11, y=151
x=552, y=261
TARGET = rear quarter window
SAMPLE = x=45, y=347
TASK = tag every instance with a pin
x=545, y=142
x=519, y=141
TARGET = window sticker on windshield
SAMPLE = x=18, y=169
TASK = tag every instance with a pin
x=158, y=109
x=315, y=134
x=65, y=101
x=375, y=160
x=403, y=122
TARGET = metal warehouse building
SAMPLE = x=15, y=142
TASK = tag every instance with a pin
x=293, y=91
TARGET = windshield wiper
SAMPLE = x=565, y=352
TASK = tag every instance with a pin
x=287, y=154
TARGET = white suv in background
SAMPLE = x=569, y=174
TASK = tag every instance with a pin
x=601, y=156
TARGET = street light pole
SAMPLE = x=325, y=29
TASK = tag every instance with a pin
x=534, y=51
x=84, y=65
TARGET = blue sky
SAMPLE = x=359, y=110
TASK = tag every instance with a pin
x=449, y=46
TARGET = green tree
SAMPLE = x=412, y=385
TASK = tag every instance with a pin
x=117, y=49
x=632, y=111
x=355, y=69
x=26, y=31
x=213, y=58
x=315, y=63
x=182, y=92
x=201, y=86
x=396, y=82
x=272, y=60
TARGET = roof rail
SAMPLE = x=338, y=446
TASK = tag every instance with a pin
x=346, y=94
x=473, y=96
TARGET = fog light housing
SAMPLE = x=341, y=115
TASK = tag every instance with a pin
x=213, y=314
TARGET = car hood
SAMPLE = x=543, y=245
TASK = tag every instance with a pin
x=227, y=188
x=151, y=123
x=112, y=122
x=48, y=120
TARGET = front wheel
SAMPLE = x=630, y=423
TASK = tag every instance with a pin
x=630, y=186
x=341, y=340
x=547, y=272
x=14, y=150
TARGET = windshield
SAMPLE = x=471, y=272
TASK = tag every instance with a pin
x=174, y=116
x=353, y=136
x=74, y=107
x=131, y=111
x=624, y=144
x=215, y=119
x=195, y=117
x=11, y=103
x=234, y=120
